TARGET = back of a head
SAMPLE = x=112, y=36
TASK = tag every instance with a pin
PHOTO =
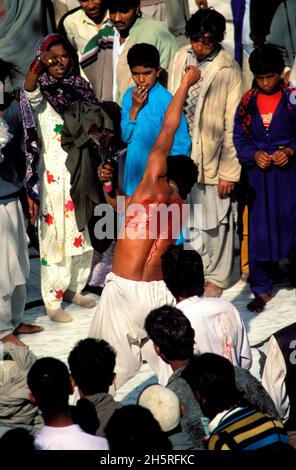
x=163, y=404
x=266, y=59
x=183, y=171
x=213, y=377
x=19, y=442
x=49, y=382
x=132, y=429
x=171, y=331
x=92, y=365
x=183, y=271
x=206, y=21
x=143, y=55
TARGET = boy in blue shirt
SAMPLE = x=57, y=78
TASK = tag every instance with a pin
x=143, y=110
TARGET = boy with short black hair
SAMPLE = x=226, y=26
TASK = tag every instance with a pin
x=264, y=137
x=50, y=386
x=143, y=110
x=92, y=365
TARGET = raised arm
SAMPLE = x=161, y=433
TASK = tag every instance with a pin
x=157, y=161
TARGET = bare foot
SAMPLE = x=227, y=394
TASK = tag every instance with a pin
x=14, y=340
x=24, y=329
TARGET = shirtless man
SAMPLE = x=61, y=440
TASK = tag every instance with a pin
x=135, y=286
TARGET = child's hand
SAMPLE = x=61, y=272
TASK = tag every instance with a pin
x=139, y=96
x=281, y=157
x=263, y=159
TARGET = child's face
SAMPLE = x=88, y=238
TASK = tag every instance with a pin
x=202, y=46
x=267, y=82
x=145, y=76
x=62, y=63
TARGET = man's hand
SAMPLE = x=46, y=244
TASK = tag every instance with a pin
x=281, y=157
x=225, y=188
x=201, y=3
x=33, y=210
x=263, y=159
x=191, y=76
x=105, y=172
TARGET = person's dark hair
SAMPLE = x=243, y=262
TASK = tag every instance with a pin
x=266, y=59
x=206, y=21
x=143, y=55
x=92, y=365
x=17, y=440
x=49, y=381
x=133, y=429
x=183, y=271
x=213, y=377
x=183, y=171
x=171, y=331
x=84, y=414
x=122, y=4
x=5, y=70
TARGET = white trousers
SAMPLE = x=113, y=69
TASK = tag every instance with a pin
x=119, y=320
x=12, y=310
x=70, y=274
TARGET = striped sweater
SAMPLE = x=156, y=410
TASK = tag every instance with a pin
x=247, y=429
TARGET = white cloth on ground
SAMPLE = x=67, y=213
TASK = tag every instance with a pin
x=120, y=318
x=273, y=378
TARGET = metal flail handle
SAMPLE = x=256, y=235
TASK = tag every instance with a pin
x=105, y=155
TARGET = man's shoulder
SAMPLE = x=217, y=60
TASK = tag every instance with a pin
x=148, y=27
x=74, y=16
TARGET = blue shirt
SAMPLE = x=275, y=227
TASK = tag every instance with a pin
x=141, y=134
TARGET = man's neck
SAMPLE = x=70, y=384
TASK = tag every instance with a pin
x=179, y=363
x=59, y=420
x=98, y=19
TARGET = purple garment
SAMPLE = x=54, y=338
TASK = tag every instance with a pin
x=272, y=192
x=238, y=11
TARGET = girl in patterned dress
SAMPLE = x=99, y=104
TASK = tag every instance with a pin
x=66, y=254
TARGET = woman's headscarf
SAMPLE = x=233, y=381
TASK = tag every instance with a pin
x=59, y=92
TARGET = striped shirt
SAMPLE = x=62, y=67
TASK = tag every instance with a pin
x=247, y=429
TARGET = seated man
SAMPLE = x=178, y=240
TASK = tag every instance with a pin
x=235, y=425
x=173, y=338
x=50, y=387
x=218, y=325
x=91, y=365
x=135, y=285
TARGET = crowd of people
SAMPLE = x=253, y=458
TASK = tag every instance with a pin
x=130, y=118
